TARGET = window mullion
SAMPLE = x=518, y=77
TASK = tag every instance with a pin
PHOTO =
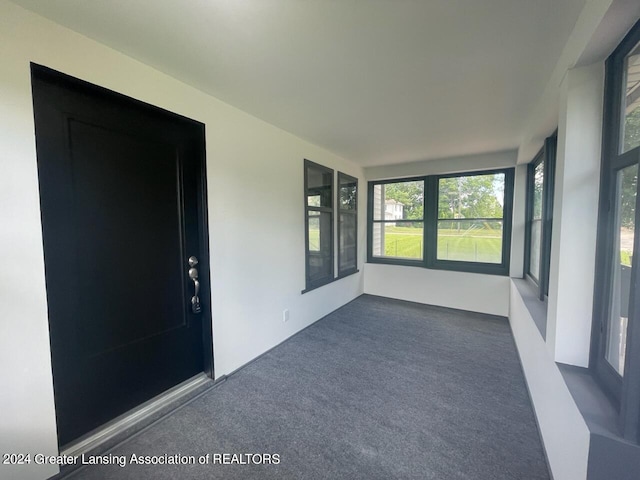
x=430, y=210
x=507, y=217
x=528, y=217
x=547, y=228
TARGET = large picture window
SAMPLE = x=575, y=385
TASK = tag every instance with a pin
x=318, y=224
x=615, y=350
x=454, y=222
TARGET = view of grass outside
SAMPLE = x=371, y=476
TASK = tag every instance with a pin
x=403, y=242
x=314, y=236
x=626, y=252
x=628, y=187
x=470, y=241
x=314, y=232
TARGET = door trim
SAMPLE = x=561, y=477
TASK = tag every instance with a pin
x=42, y=72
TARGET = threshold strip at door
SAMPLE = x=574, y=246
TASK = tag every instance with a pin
x=120, y=428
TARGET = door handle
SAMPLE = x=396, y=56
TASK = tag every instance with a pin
x=193, y=275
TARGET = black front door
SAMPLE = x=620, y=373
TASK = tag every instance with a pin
x=123, y=209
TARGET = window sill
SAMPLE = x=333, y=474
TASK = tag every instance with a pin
x=405, y=262
x=471, y=267
x=347, y=274
x=610, y=455
x=597, y=410
x=327, y=282
x=452, y=266
x=537, y=308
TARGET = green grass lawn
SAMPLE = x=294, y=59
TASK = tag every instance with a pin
x=478, y=245
x=314, y=240
x=470, y=245
x=403, y=242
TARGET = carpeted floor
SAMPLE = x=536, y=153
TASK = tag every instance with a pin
x=380, y=389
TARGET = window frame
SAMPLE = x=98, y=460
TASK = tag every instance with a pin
x=623, y=390
x=354, y=213
x=309, y=284
x=501, y=268
x=430, y=219
x=547, y=154
x=370, y=222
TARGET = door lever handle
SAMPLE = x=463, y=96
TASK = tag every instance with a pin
x=195, y=300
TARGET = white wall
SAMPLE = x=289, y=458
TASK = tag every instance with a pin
x=467, y=163
x=575, y=215
x=564, y=432
x=516, y=265
x=465, y=291
x=256, y=223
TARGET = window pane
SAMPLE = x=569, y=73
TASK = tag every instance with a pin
x=398, y=240
x=319, y=186
x=467, y=206
x=397, y=201
x=319, y=248
x=348, y=193
x=534, y=254
x=631, y=101
x=467, y=240
x=473, y=196
x=314, y=231
x=536, y=221
x=538, y=181
x=627, y=180
x=347, y=242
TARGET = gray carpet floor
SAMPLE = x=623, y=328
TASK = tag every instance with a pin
x=379, y=389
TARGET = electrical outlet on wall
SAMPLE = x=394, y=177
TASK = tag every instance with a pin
x=285, y=315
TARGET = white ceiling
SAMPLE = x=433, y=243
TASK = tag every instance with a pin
x=375, y=81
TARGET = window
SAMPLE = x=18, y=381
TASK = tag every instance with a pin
x=397, y=229
x=621, y=253
x=319, y=219
x=347, y=224
x=615, y=353
x=453, y=222
x=540, y=185
x=470, y=221
x=318, y=224
x=536, y=184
